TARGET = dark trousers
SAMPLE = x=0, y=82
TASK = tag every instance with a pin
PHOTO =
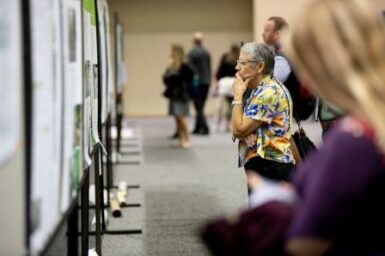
x=270, y=169
x=199, y=104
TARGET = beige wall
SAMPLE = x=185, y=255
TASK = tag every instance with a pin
x=12, y=211
x=151, y=26
x=147, y=56
x=263, y=9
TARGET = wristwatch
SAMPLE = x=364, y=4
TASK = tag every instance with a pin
x=236, y=102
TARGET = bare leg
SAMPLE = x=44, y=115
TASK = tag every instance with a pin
x=218, y=113
x=184, y=140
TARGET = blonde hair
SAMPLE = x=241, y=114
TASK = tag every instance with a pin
x=340, y=47
x=178, y=56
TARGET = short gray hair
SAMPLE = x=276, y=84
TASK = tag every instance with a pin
x=261, y=52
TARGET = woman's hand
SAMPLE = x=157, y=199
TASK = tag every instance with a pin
x=250, y=140
x=240, y=86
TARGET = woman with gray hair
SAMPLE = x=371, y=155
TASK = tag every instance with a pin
x=262, y=120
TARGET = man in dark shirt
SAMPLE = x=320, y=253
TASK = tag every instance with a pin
x=199, y=58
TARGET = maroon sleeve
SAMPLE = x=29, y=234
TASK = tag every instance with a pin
x=331, y=182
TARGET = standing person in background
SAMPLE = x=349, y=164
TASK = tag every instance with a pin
x=177, y=78
x=225, y=77
x=200, y=60
x=272, y=33
x=339, y=47
x=303, y=102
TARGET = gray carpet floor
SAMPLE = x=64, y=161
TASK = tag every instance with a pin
x=180, y=190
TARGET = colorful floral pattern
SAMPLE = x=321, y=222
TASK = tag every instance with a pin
x=271, y=104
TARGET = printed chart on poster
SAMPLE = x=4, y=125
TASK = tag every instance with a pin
x=47, y=120
x=11, y=78
x=72, y=112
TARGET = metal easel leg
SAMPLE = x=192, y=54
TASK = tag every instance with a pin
x=85, y=214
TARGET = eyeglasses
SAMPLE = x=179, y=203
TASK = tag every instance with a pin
x=244, y=62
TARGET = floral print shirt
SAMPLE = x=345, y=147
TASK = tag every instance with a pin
x=271, y=104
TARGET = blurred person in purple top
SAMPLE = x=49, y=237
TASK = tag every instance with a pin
x=339, y=47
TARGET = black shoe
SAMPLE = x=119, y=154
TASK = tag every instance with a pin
x=203, y=132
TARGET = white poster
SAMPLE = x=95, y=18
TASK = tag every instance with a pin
x=95, y=99
x=72, y=60
x=46, y=120
x=11, y=77
x=87, y=112
x=91, y=59
x=110, y=72
x=103, y=65
x=120, y=66
x=95, y=84
x=88, y=83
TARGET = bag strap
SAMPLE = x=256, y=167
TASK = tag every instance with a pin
x=293, y=146
x=297, y=120
x=288, y=101
x=295, y=115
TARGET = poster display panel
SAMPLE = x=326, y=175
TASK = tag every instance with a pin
x=120, y=66
x=90, y=67
x=103, y=65
x=110, y=72
x=72, y=120
x=47, y=124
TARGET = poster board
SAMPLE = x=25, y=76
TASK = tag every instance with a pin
x=72, y=107
x=46, y=137
x=102, y=53
x=90, y=81
x=121, y=76
x=110, y=71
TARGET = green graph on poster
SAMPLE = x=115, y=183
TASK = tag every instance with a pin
x=89, y=6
